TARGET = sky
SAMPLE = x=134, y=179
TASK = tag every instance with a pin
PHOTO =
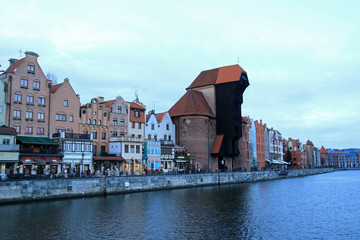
x=302, y=57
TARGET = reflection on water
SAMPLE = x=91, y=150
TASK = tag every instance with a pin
x=321, y=207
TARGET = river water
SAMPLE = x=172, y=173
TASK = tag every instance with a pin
x=323, y=206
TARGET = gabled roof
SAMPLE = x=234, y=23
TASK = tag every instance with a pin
x=55, y=87
x=15, y=65
x=134, y=104
x=191, y=103
x=160, y=116
x=217, y=76
x=309, y=143
x=323, y=150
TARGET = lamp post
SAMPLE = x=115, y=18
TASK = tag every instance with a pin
x=82, y=164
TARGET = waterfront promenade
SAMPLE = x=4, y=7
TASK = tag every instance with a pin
x=44, y=189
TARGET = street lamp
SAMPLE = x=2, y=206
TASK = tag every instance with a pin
x=82, y=164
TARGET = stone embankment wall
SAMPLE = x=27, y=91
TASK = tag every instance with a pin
x=24, y=190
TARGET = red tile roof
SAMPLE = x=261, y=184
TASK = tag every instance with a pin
x=217, y=76
x=191, y=103
x=55, y=87
x=7, y=130
x=15, y=65
x=110, y=102
x=137, y=105
x=217, y=144
x=323, y=150
x=309, y=143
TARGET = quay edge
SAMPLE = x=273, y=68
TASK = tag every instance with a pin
x=51, y=189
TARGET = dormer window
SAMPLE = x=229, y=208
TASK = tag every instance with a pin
x=137, y=113
x=31, y=69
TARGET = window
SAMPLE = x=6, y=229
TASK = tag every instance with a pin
x=185, y=134
x=103, y=135
x=40, y=131
x=137, y=148
x=133, y=135
x=17, y=114
x=29, y=115
x=6, y=141
x=31, y=69
x=165, y=137
x=169, y=137
x=114, y=134
x=94, y=122
x=41, y=116
x=24, y=83
x=115, y=121
x=149, y=136
x=17, y=129
x=28, y=130
x=71, y=118
x=119, y=109
x=167, y=126
x=122, y=122
x=122, y=134
x=17, y=97
x=99, y=122
x=60, y=117
x=152, y=126
x=94, y=113
x=132, y=149
x=126, y=148
x=139, y=125
x=41, y=101
x=36, y=85
x=1, y=109
x=94, y=135
x=89, y=121
x=66, y=103
x=132, y=125
x=139, y=136
x=29, y=99
x=155, y=137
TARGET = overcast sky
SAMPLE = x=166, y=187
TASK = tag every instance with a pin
x=302, y=57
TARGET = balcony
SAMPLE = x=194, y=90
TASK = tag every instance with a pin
x=71, y=136
x=9, y=148
x=40, y=152
x=126, y=139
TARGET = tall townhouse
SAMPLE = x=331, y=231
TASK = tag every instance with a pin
x=260, y=144
x=127, y=126
x=94, y=119
x=324, y=157
x=64, y=111
x=160, y=130
x=208, y=117
x=298, y=156
x=135, y=140
x=309, y=149
x=27, y=96
x=275, y=146
x=2, y=103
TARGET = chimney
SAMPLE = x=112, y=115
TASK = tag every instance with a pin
x=12, y=61
x=29, y=53
x=101, y=99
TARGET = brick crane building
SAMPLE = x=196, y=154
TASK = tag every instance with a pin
x=208, y=117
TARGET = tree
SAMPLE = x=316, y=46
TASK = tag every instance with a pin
x=52, y=77
x=288, y=157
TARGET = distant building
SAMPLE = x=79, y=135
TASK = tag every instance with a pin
x=3, y=89
x=324, y=157
x=260, y=144
x=297, y=153
x=309, y=149
x=9, y=151
x=275, y=146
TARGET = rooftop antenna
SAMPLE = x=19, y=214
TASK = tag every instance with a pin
x=20, y=52
x=136, y=94
x=238, y=59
